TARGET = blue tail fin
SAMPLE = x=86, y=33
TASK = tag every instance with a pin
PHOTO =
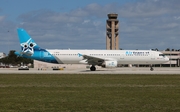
x=27, y=43
x=29, y=49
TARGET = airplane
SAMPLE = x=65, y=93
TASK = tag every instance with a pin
x=103, y=58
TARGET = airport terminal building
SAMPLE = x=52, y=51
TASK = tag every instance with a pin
x=2, y=55
x=174, y=59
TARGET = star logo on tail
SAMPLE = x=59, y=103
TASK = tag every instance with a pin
x=28, y=47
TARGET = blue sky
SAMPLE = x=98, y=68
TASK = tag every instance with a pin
x=80, y=24
x=14, y=8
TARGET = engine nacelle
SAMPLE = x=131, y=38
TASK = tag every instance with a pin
x=109, y=64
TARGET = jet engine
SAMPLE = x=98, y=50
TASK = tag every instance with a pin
x=109, y=64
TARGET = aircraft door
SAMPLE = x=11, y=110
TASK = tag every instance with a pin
x=121, y=56
x=152, y=56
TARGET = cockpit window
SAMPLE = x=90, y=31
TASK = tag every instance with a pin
x=162, y=55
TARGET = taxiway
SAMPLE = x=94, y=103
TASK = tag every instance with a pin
x=132, y=70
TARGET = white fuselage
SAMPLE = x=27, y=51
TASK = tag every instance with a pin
x=121, y=56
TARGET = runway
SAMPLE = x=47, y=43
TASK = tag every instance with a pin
x=132, y=70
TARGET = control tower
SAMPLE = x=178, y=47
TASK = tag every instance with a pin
x=112, y=32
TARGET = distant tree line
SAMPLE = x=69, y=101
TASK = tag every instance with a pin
x=168, y=49
x=156, y=49
x=13, y=59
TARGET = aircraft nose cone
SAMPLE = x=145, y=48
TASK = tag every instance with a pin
x=167, y=59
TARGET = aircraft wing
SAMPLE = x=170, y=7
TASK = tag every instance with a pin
x=92, y=60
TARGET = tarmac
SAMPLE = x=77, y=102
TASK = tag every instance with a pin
x=123, y=70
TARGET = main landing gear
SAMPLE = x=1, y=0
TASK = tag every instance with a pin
x=151, y=68
x=93, y=68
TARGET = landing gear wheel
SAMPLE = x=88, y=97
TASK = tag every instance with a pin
x=93, y=68
x=151, y=68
